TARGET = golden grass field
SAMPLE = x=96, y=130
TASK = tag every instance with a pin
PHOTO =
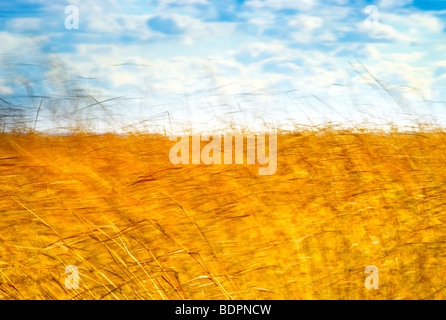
x=138, y=227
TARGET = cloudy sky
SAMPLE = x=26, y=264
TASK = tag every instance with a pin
x=208, y=63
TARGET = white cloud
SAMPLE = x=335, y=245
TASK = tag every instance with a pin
x=388, y=4
x=119, y=24
x=281, y=4
x=302, y=28
x=5, y=89
x=305, y=23
x=386, y=32
x=419, y=23
x=15, y=44
x=24, y=25
x=165, y=3
x=257, y=49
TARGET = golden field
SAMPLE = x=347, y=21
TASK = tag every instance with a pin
x=138, y=227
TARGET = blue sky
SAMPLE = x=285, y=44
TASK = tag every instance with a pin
x=199, y=64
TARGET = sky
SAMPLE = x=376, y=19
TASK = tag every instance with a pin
x=208, y=65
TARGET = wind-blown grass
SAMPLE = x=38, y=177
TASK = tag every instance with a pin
x=138, y=227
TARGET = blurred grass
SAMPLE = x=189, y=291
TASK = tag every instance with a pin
x=138, y=227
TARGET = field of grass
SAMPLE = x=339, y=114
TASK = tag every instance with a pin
x=138, y=227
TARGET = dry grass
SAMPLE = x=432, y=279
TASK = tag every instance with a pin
x=138, y=227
